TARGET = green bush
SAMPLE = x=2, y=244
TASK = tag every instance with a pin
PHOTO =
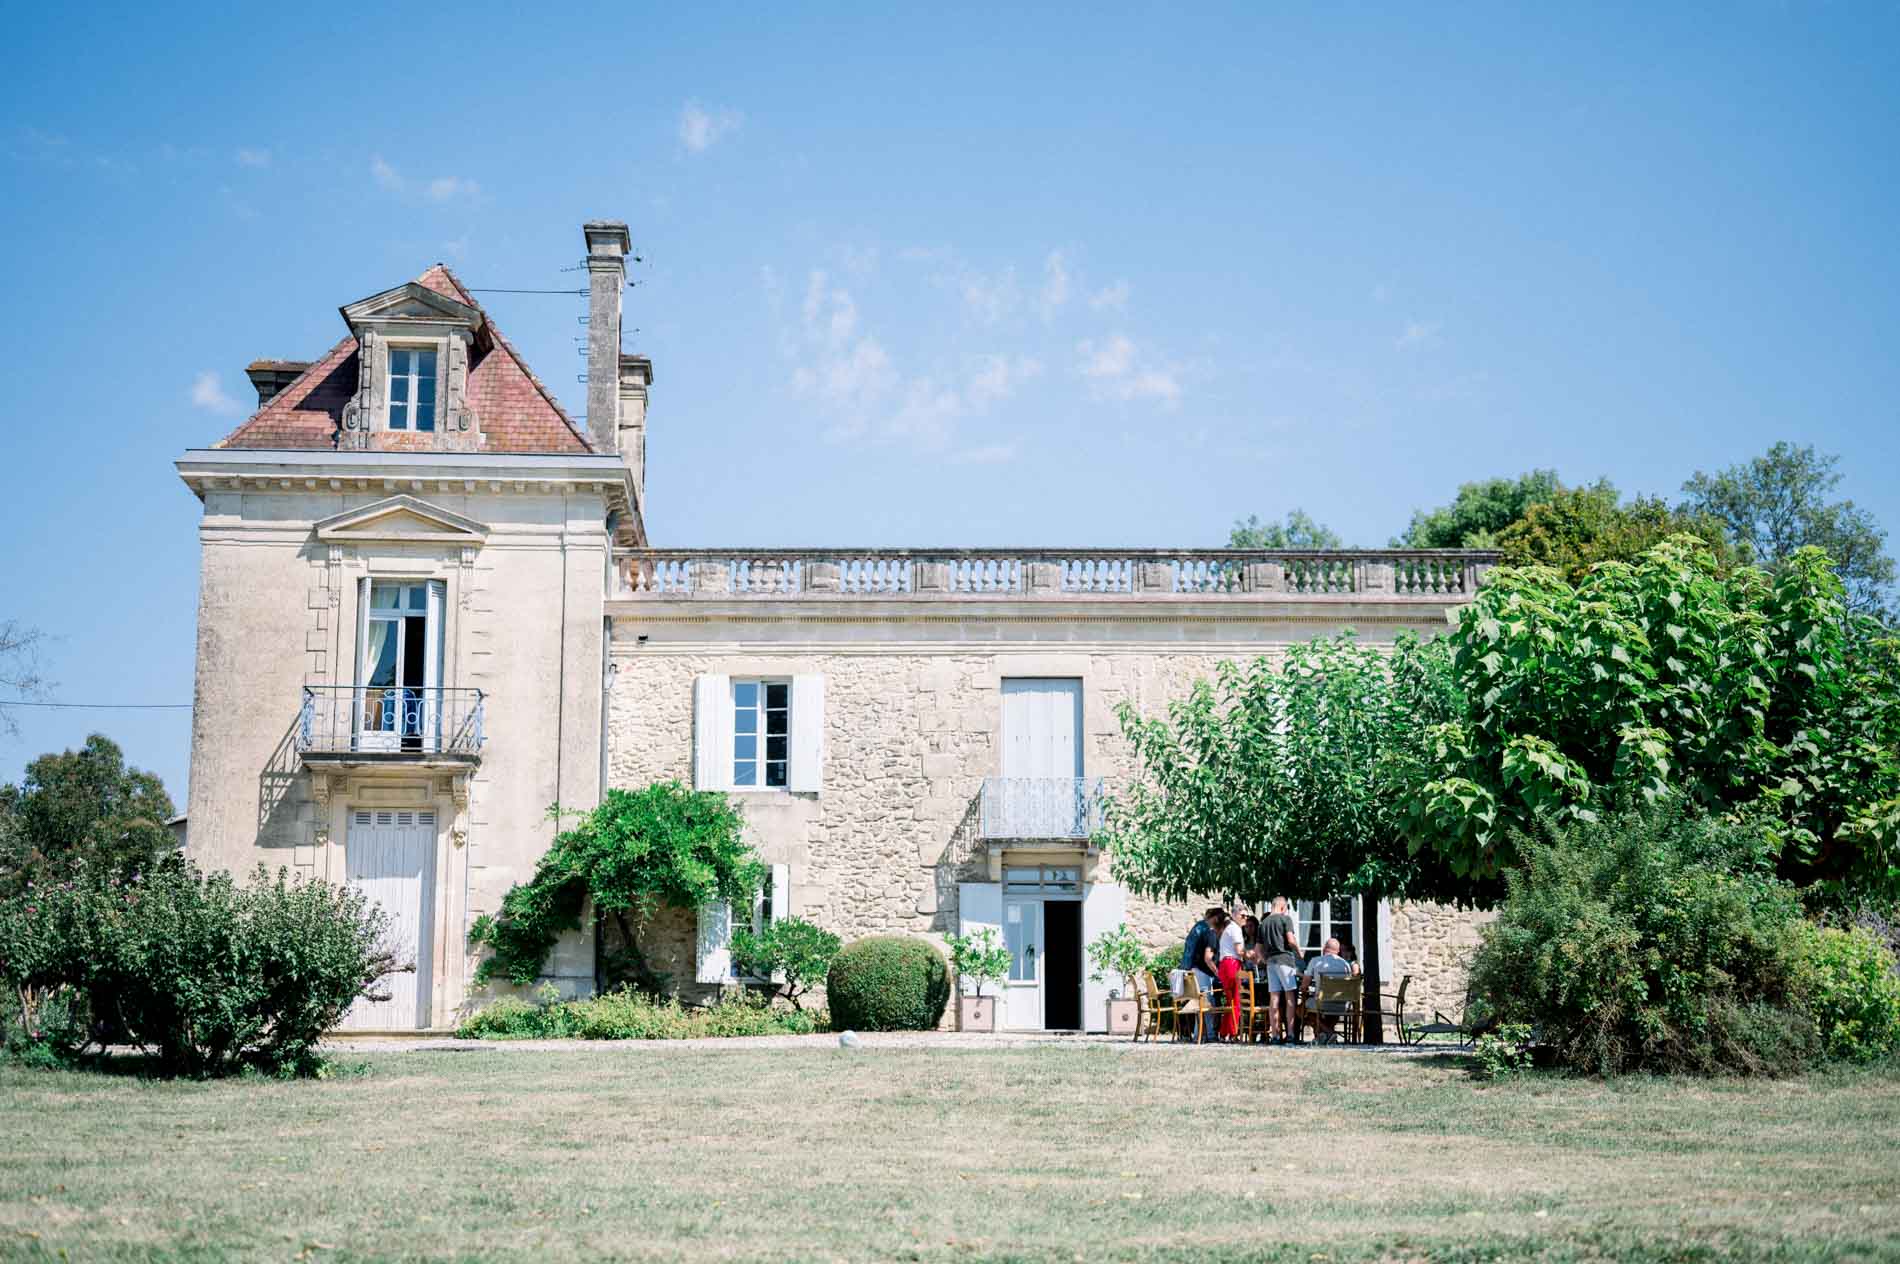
x=1846, y=978
x=207, y=976
x=1653, y=939
x=888, y=983
x=631, y=1015
x=1502, y=1053
x=792, y=952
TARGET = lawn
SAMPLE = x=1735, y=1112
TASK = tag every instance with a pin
x=1049, y=1152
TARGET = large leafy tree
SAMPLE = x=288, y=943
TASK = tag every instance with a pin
x=1286, y=778
x=1761, y=698
x=1299, y=531
x=1581, y=526
x=640, y=850
x=1780, y=502
x=1479, y=512
x=83, y=805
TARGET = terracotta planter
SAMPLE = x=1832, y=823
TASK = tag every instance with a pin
x=976, y=1013
x=1121, y=1016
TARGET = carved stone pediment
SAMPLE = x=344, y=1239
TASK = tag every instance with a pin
x=411, y=302
x=403, y=518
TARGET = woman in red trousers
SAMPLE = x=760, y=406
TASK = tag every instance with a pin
x=1233, y=951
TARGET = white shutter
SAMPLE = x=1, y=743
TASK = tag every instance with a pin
x=781, y=907
x=712, y=956
x=808, y=733
x=1103, y=906
x=712, y=733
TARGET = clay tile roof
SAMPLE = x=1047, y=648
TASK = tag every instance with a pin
x=514, y=409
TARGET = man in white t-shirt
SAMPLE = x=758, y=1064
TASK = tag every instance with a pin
x=1329, y=964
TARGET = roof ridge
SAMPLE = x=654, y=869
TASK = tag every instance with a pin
x=501, y=340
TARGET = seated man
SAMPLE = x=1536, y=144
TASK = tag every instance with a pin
x=1329, y=964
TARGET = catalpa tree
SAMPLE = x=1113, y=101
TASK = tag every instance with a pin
x=1760, y=699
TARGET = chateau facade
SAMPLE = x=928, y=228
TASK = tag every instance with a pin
x=429, y=610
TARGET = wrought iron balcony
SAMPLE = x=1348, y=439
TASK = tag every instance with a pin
x=390, y=721
x=1041, y=807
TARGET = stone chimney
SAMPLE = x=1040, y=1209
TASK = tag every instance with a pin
x=270, y=377
x=636, y=374
x=608, y=245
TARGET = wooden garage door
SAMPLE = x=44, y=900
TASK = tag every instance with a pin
x=390, y=857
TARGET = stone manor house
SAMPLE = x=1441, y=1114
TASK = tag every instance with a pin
x=429, y=610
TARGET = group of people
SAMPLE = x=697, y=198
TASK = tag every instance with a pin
x=1224, y=943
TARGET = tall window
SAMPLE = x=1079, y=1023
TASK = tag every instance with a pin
x=412, y=388
x=1321, y=920
x=761, y=733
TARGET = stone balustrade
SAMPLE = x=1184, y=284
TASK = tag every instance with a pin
x=1433, y=574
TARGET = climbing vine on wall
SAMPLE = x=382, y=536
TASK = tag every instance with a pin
x=640, y=850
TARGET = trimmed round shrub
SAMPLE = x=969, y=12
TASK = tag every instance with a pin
x=887, y=983
x=1846, y=978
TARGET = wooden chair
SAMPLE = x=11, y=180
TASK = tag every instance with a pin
x=1375, y=1005
x=1253, y=1017
x=1338, y=999
x=1156, y=1007
x=1195, y=1008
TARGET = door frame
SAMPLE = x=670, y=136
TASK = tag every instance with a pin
x=1041, y=983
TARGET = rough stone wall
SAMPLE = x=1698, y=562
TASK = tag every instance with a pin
x=1433, y=943
x=909, y=739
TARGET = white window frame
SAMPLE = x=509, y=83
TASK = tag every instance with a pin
x=410, y=380
x=713, y=951
x=759, y=735
x=1329, y=922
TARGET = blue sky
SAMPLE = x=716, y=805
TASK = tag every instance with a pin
x=1094, y=277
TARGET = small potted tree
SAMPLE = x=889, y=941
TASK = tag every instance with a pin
x=977, y=959
x=1119, y=953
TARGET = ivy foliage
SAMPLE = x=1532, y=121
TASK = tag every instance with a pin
x=640, y=850
x=1758, y=698
x=1288, y=778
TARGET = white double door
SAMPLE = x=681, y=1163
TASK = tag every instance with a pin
x=390, y=857
x=1040, y=992
x=1026, y=991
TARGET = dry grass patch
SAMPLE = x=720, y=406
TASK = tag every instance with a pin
x=1098, y=1151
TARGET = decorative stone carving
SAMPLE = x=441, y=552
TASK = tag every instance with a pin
x=823, y=577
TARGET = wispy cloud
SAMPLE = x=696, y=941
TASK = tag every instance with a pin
x=989, y=298
x=988, y=454
x=207, y=393
x=253, y=157
x=1055, y=286
x=1417, y=333
x=1110, y=298
x=701, y=128
x=1113, y=371
x=437, y=189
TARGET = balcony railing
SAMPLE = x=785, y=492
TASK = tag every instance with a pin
x=390, y=720
x=1041, y=807
x=1441, y=574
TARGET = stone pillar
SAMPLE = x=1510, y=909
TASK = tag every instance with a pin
x=1155, y=577
x=712, y=579
x=1043, y=578
x=636, y=374
x=931, y=577
x=823, y=577
x=1376, y=577
x=1266, y=577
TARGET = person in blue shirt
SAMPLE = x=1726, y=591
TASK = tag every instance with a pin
x=1201, y=954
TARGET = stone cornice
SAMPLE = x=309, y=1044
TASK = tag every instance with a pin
x=206, y=470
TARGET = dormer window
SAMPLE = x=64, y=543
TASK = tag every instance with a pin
x=411, y=388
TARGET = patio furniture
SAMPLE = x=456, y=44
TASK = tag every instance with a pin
x=1470, y=1023
x=1157, y=1007
x=1337, y=997
x=1387, y=1006
x=1195, y=1008
x=1253, y=1016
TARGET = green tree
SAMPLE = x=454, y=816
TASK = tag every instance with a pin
x=1581, y=526
x=1285, y=778
x=1762, y=699
x=793, y=953
x=1299, y=531
x=1778, y=504
x=1479, y=512
x=640, y=850
x=20, y=679
x=84, y=805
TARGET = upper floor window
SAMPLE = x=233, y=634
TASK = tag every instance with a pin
x=412, y=388
x=761, y=733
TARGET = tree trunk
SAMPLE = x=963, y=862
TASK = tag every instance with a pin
x=1374, y=1029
